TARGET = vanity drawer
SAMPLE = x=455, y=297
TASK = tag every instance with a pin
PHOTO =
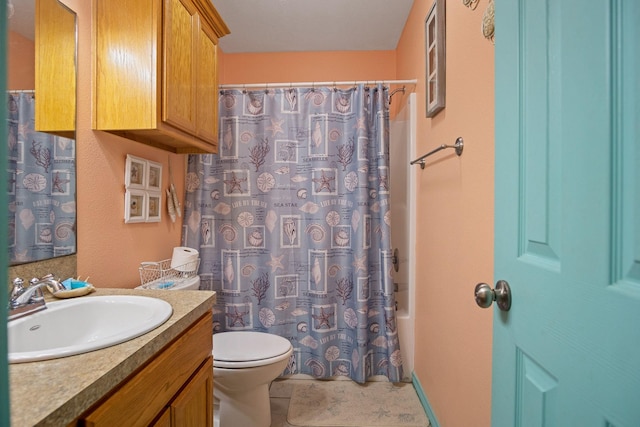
x=141, y=398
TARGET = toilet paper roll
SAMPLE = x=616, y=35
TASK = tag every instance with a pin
x=184, y=258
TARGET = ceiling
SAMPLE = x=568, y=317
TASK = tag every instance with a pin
x=312, y=25
x=21, y=15
x=290, y=25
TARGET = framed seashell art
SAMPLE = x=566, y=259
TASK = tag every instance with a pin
x=135, y=175
x=143, y=195
x=434, y=29
x=135, y=206
x=154, y=176
x=153, y=207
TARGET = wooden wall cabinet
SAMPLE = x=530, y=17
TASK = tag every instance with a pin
x=156, y=76
x=174, y=389
x=55, y=74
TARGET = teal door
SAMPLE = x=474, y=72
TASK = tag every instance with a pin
x=567, y=213
x=4, y=255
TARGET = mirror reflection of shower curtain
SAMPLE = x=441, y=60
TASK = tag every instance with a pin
x=291, y=219
x=41, y=186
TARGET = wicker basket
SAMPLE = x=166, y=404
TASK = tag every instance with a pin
x=160, y=274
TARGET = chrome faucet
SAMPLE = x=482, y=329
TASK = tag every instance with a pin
x=26, y=300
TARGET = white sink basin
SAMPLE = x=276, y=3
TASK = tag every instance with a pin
x=81, y=325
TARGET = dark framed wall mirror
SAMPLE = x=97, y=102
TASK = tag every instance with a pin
x=41, y=124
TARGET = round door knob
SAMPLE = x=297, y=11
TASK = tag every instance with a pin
x=485, y=296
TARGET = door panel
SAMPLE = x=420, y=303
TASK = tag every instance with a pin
x=567, y=213
x=539, y=220
x=536, y=392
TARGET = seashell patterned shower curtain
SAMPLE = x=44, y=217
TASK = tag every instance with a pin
x=42, y=186
x=292, y=219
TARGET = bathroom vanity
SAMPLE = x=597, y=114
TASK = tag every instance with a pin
x=160, y=377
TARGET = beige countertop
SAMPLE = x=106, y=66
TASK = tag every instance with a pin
x=55, y=392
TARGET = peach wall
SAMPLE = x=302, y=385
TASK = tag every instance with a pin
x=455, y=208
x=221, y=58
x=109, y=250
x=280, y=67
x=21, y=68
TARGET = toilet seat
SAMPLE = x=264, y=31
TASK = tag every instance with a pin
x=248, y=349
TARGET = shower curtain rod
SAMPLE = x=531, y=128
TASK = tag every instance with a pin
x=314, y=84
x=22, y=91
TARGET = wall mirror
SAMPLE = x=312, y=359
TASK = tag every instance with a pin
x=41, y=109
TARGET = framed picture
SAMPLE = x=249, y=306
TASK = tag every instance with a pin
x=135, y=175
x=135, y=206
x=434, y=29
x=154, y=207
x=154, y=176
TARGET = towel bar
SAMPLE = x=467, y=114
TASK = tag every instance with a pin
x=458, y=145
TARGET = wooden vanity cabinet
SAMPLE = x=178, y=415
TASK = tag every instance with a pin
x=174, y=389
x=192, y=407
x=156, y=76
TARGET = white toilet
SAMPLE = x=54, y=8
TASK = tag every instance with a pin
x=244, y=365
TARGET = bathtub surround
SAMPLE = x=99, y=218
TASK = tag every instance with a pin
x=292, y=221
x=402, y=140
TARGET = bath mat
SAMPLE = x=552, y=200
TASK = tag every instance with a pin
x=346, y=403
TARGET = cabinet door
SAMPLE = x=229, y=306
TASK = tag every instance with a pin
x=194, y=405
x=207, y=83
x=149, y=392
x=180, y=36
x=164, y=420
x=55, y=76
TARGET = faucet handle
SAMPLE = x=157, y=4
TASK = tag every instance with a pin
x=49, y=281
x=17, y=288
x=42, y=279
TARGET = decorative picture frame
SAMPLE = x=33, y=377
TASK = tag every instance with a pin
x=153, y=208
x=135, y=175
x=154, y=176
x=143, y=190
x=435, y=31
x=135, y=206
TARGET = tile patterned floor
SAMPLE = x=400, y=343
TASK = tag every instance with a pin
x=280, y=393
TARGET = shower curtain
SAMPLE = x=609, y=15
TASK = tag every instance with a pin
x=41, y=186
x=291, y=219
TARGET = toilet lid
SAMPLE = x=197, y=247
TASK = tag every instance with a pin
x=248, y=346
